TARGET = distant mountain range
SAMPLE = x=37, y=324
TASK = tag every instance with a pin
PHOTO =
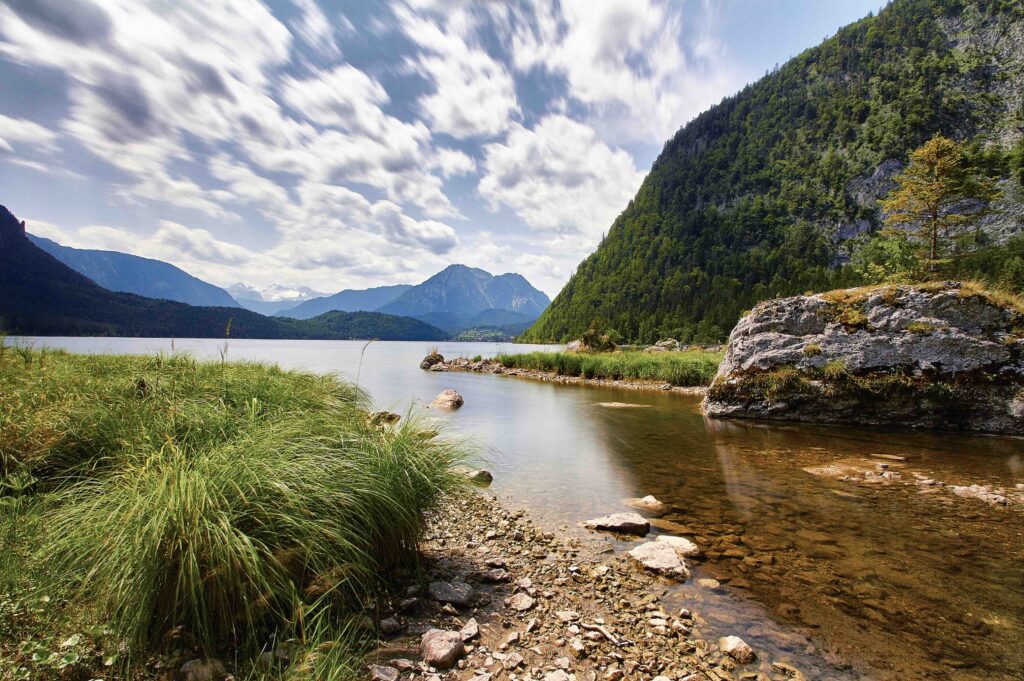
x=39, y=295
x=460, y=297
x=273, y=299
x=134, y=274
x=455, y=300
x=349, y=300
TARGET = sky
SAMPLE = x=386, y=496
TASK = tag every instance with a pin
x=346, y=143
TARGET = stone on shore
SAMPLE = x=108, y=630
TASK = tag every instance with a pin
x=448, y=399
x=682, y=546
x=204, y=670
x=480, y=477
x=520, y=602
x=736, y=648
x=383, y=673
x=470, y=630
x=625, y=523
x=649, y=504
x=456, y=593
x=441, y=648
x=660, y=558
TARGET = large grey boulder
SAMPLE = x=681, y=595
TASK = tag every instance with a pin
x=941, y=355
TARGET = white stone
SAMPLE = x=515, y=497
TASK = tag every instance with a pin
x=660, y=558
x=736, y=648
x=682, y=546
x=626, y=523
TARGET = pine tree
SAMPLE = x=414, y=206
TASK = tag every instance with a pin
x=933, y=196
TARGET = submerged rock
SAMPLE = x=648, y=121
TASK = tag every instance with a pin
x=940, y=355
x=448, y=399
x=441, y=648
x=661, y=559
x=626, y=523
x=480, y=477
x=681, y=545
x=650, y=504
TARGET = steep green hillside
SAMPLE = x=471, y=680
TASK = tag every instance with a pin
x=766, y=193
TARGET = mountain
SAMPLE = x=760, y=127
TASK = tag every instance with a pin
x=454, y=296
x=349, y=300
x=273, y=299
x=133, y=274
x=39, y=295
x=767, y=193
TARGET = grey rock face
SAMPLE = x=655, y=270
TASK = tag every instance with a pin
x=938, y=356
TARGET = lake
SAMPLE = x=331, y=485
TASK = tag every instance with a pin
x=886, y=577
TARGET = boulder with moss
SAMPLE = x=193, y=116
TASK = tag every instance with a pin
x=944, y=355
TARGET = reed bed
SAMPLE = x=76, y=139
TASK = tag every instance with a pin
x=149, y=502
x=691, y=368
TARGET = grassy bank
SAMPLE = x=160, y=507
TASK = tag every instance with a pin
x=163, y=509
x=692, y=368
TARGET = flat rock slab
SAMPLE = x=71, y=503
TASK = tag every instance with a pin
x=456, y=593
x=441, y=648
x=660, y=558
x=625, y=523
x=682, y=546
x=520, y=602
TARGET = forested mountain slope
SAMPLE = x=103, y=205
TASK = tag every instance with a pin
x=134, y=274
x=766, y=193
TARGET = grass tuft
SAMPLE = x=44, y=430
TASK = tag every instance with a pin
x=691, y=368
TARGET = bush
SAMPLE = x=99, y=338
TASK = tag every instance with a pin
x=238, y=503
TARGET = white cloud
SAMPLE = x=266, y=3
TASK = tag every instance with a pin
x=559, y=176
x=314, y=28
x=17, y=131
x=452, y=162
x=623, y=61
x=473, y=94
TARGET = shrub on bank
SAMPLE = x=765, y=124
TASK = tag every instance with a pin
x=229, y=505
x=692, y=368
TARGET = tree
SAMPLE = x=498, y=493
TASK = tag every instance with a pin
x=934, y=201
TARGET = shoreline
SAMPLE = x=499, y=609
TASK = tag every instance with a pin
x=532, y=604
x=487, y=366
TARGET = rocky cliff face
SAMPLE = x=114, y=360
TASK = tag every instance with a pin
x=944, y=355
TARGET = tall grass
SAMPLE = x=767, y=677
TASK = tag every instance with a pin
x=237, y=503
x=693, y=368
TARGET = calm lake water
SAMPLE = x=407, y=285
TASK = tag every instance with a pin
x=845, y=580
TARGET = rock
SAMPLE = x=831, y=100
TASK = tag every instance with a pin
x=440, y=648
x=389, y=626
x=979, y=492
x=448, y=399
x=520, y=602
x=204, y=670
x=496, y=576
x=470, y=630
x=480, y=476
x=626, y=523
x=668, y=344
x=456, y=593
x=513, y=661
x=567, y=615
x=574, y=346
x=660, y=558
x=649, y=504
x=682, y=546
x=736, y=648
x=382, y=673
x=557, y=675
x=814, y=358
x=431, y=360
x=709, y=583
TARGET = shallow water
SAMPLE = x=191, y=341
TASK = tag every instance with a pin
x=880, y=580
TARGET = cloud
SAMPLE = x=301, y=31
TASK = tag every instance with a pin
x=624, y=62
x=80, y=21
x=314, y=29
x=473, y=94
x=452, y=162
x=560, y=177
x=21, y=131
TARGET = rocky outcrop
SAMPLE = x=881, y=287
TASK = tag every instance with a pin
x=941, y=355
x=448, y=399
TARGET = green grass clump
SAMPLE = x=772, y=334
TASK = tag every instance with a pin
x=693, y=368
x=235, y=504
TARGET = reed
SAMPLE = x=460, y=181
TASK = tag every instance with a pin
x=691, y=368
